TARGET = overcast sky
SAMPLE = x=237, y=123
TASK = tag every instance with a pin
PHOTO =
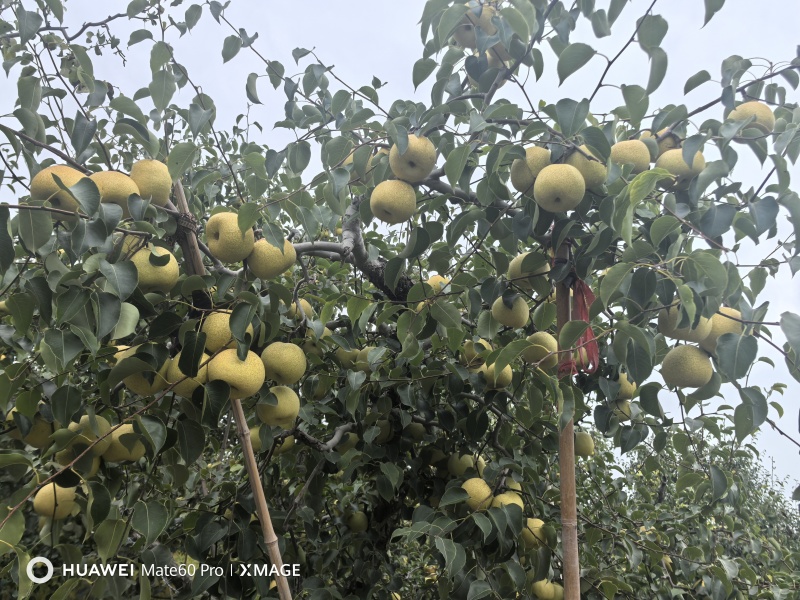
x=366, y=38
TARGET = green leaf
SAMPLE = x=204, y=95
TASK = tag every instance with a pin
x=790, y=325
x=159, y=56
x=122, y=276
x=479, y=589
x=56, y=8
x=454, y=556
x=451, y=18
x=191, y=440
x=150, y=519
x=108, y=536
x=571, y=115
x=139, y=36
x=422, y=70
x=570, y=333
x=251, y=90
x=180, y=159
x=636, y=101
x=600, y=24
x=518, y=23
x=662, y=227
x=612, y=281
x=231, y=47
x=455, y=163
x=29, y=24
x=696, y=80
x=128, y=320
x=652, y=29
x=719, y=482
x=83, y=131
x=644, y=183
x=6, y=243
x=658, y=69
x=162, y=88
x=509, y=354
x=35, y=228
x=736, y=354
x=193, y=14
x=712, y=7
x=573, y=58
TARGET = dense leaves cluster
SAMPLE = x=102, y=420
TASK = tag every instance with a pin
x=422, y=382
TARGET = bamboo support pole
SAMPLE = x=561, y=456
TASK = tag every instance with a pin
x=194, y=266
x=566, y=458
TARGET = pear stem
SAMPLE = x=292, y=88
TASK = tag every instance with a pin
x=194, y=266
x=566, y=457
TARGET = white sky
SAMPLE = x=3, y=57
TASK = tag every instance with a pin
x=362, y=38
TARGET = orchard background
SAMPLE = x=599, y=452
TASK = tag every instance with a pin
x=364, y=481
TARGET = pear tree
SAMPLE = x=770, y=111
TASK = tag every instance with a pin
x=487, y=341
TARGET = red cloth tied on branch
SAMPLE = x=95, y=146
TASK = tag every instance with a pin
x=587, y=349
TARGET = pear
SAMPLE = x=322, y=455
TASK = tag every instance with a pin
x=155, y=278
x=627, y=388
x=217, y=327
x=480, y=494
x=268, y=262
x=44, y=187
x=515, y=317
x=465, y=36
x=764, y=117
x=358, y=522
x=284, y=363
x=137, y=382
x=282, y=414
x=498, y=381
x=668, y=326
x=672, y=161
x=54, y=501
x=393, y=201
x=187, y=385
x=245, y=377
x=633, y=152
x=524, y=172
x=529, y=279
x=416, y=163
x=115, y=188
x=308, y=311
x=127, y=448
x=668, y=141
x=686, y=367
x=559, y=188
x=544, y=351
x=720, y=325
x=471, y=352
x=584, y=444
x=226, y=241
x=153, y=180
x=594, y=172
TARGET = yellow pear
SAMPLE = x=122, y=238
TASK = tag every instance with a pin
x=584, y=444
x=720, y=325
x=285, y=412
x=515, y=317
x=458, y=464
x=544, y=352
x=480, y=494
x=137, y=382
x=529, y=280
x=54, y=501
x=465, y=36
x=672, y=161
x=187, y=385
x=127, y=448
x=312, y=344
x=686, y=367
x=543, y=590
x=634, y=152
x=225, y=240
x=155, y=278
x=245, y=377
x=416, y=163
x=38, y=435
x=362, y=360
x=308, y=311
x=346, y=358
x=86, y=435
x=471, y=352
x=627, y=388
x=217, y=327
x=622, y=410
x=393, y=201
x=765, y=119
x=524, y=172
x=437, y=282
x=153, y=180
x=668, y=326
x=559, y=188
x=508, y=498
x=498, y=381
x=268, y=262
x=115, y=188
x=284, y=363
x=668, y=141
x=44, y=187
x=594, y=172
x=358, y=522
x=532, y=535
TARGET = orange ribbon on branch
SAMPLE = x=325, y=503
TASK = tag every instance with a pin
x=588, y=350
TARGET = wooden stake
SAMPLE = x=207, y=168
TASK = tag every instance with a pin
x=194, y=266
x=566, y=459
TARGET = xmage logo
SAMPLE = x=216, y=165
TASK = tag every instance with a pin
x=39, y=560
